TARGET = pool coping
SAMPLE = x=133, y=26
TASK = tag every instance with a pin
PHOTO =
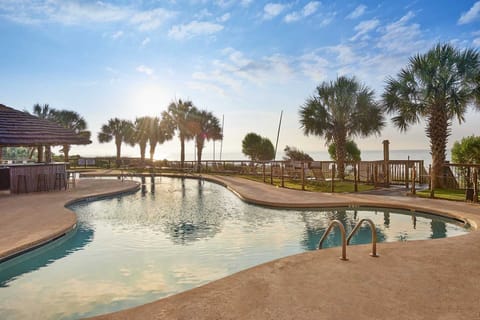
x=261, y=194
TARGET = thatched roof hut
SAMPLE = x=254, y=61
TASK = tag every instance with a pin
x=21, y=129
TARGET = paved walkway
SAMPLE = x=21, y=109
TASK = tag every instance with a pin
x=29, y=219
x=434, y=279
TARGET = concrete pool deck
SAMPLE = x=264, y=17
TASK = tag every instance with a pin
x=433, y=279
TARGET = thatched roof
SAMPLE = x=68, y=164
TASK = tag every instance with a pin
x=18, y=128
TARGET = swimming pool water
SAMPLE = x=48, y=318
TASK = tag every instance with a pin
x=171, y=236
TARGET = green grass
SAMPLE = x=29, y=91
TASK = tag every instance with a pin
x=315, y=186
x=447, y=194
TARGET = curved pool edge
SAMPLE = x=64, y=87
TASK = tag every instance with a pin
x=409, y=274
x=36, y=219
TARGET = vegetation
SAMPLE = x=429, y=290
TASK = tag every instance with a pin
x=339, y=111
x=467, y=150
x=119, y=130
x=257, y=148
x=15, y=153
x=436, y=87
x=447, y=194
x=70, y=120
x=206, y=127
x=352, y=151
x=43, y=112
x=315, y=186
x=180, y=116
x=294, y=154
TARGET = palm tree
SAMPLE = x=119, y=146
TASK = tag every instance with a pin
x=120, y=130
x=436, y=87
x=180, y=115
x=71, y=120
x=161, y=130
x=141, y=134
x=43, y=112
x=206, y=127
x=340, y=110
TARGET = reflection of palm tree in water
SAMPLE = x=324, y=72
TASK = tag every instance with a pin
x=439, y=229
x=46, y=255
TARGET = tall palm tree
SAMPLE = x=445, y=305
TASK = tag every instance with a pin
x=120, y=130
x=71, y=120
x=161, y=130
x=206, y=127
x=180, y=114
x=141, y=134
x=340, y=110
x=437, y=87
x=43, y=112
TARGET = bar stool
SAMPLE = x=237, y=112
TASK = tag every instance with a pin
x=22, y=178
x=42, y=183
x=60, y=181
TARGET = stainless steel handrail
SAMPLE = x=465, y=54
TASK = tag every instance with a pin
x=374, y=235
x=342, y=233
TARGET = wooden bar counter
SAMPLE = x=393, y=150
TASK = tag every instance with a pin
x=34, y=177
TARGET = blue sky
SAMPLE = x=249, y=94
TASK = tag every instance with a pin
x=246, y=60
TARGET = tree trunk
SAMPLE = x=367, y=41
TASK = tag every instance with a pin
x=119, y=150
x=182, y=150
x=66, y=150
x=143, y=149
x=199, y=152
x=48, y=154
x=438, y=132
x=152, y=150
x=340, y=141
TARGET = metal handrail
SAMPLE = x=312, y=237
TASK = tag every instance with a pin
x=374, y=235
x=342, y=233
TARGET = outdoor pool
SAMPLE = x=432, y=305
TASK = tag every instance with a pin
x=175, y=235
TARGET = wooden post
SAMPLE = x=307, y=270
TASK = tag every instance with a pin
x=303, y=175
x=475, y=185
x=375, y=174
x=283, y=174
x=407, y=167
x=414, y=173
x=333, y=178
x=271, y=173
x=386, y=161
x=355, y=181
x=264, y=180
x=430, y=184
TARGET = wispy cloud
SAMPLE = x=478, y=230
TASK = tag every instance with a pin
x=364, y=27
x=224, y=17
x=358, y=12
x=145, y=41
x=152, y=19
x=117, y=34
x=145, y=70
x=471, y=15
x=271, y=10
x=401, y=36
x=193, y=29
x=309, y=9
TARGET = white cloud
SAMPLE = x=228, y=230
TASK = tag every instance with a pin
x=245, y=3
x=224, y=18
x=271, y=10
x=145, y=41
x=401, y=36
x=194, y=28
x=309, y=9
x=82, y=13
x=471, y=15
x=364, y=27
x=359, y=11
x=476, y=42
x=117, y=34
x=150, y=20
x=202, y=14
x=146, y=70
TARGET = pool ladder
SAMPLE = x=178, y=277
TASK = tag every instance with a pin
x=346, y=240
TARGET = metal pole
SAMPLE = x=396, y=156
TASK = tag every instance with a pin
x=278, y=134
